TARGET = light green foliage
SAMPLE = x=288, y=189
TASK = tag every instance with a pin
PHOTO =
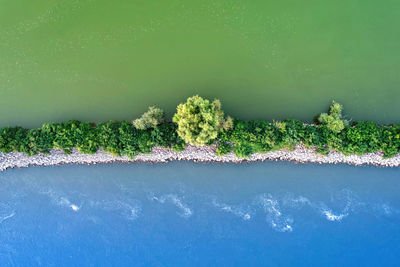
x=333, y=120
x=199, y=120
x=150, y=119
x=228, y=124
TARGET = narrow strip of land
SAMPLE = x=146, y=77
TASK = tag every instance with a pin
x=199, y=131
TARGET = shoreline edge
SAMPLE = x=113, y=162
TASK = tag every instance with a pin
x=196, y=154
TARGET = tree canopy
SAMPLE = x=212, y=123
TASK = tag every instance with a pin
x=199, y=120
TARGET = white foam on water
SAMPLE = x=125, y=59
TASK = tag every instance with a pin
x=332, y=217
x=342, y=204
x=300, y=200
x=247, y=216
x=232, y=209
x=287, y=228
x=349, y=200
x=277, y=220
x=383, y=209
x=346, y=198
x=59, y=200
x=129, y=211
x=63, y=201
x=185, y=210
x=74, y=207
x=288, y=200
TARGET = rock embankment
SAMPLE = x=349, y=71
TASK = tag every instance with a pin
x=197, y=154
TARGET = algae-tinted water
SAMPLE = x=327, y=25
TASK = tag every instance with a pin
x=188, y=214
x=101, y=59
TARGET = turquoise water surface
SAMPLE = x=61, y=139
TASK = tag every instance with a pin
x=192, y=214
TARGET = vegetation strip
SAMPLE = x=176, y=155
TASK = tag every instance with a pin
x=201, y=123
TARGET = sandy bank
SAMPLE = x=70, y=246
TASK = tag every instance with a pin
x=199, y=154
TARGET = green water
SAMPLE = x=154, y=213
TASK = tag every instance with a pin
x=100, y=59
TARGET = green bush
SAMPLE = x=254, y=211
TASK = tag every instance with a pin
x=150, y=119
x=223, y=148
x=333, y=120
x=199, y=120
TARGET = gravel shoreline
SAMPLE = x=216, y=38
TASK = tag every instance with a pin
x=193, y=153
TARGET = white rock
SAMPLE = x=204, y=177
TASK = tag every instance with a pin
x=193, y=153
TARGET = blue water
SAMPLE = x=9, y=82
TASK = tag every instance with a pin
x=188, y=214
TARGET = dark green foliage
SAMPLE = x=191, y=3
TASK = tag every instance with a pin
x=13, y=139
x=333, y=133
x=250, y=137
x=390, y=141
x=364, y=137
x=125, y=138
x=37, y=142
x=260, y=136
x=109, y=137
x=165, y=135
x=116, y=137
x=223, y=148
x=87, y=138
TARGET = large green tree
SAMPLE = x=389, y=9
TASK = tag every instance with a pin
x=199, y=120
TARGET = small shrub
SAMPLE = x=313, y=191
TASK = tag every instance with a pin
x=150, y=119
x=333, y=120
